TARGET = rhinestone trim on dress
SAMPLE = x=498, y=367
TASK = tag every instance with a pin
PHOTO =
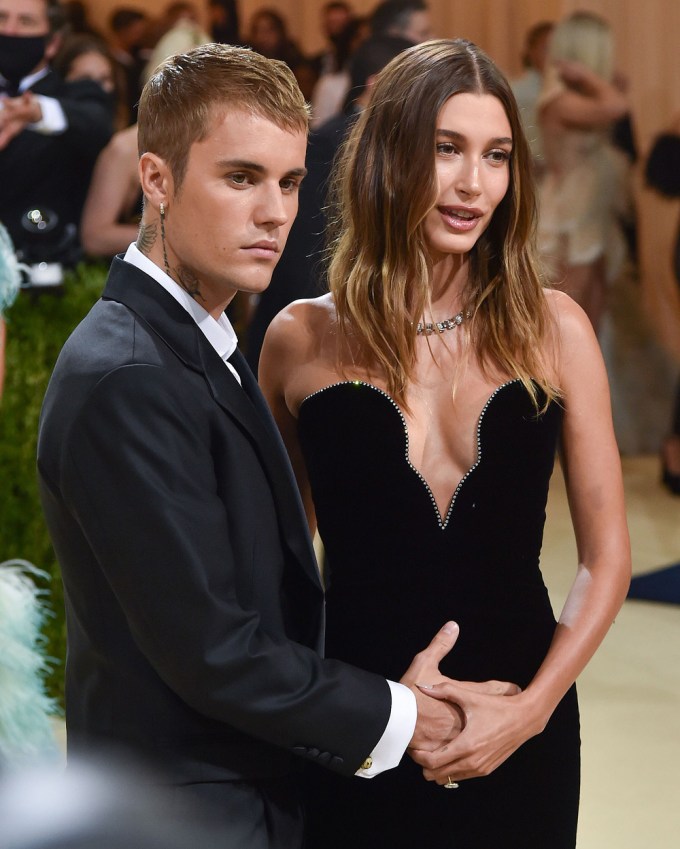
x=441, y=522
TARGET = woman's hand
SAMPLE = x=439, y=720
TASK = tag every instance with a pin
x=494, y=729
x=15, y=114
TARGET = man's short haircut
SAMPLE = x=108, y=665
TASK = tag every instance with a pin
x=393, y=15
x=124, y=17
x=178, y=103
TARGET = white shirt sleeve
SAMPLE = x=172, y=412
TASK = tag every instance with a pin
x=53, y=120
x=397, y=734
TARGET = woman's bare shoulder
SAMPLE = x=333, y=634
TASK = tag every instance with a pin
x=578, y=351
x=123, y=145
x=307, y=317
x=571, y=321
x=299, y=329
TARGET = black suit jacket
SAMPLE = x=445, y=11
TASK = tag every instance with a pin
x=194, y=606
x=54, y=171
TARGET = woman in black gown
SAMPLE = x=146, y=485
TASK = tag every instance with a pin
x=422, y=402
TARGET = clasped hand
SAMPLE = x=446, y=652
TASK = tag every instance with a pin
x=463, y=729
x=15, y=114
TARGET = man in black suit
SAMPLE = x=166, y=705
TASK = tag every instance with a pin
x=50, y=131
x=194, y=605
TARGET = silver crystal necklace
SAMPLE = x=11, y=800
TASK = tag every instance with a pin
x=427, y=328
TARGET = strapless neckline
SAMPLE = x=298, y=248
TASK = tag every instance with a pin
x=442, y=521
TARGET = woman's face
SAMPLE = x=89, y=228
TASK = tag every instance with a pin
x=92, y=66
x=265, y=35
x=473, y=144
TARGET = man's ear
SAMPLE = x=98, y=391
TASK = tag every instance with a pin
x=156, y=180
x=53, y=46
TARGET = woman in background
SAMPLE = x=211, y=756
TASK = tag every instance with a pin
x=268, y=35
x=584, y=191
x=422, y=401
x=662, y=172
x=113, y=205
x=86, y=57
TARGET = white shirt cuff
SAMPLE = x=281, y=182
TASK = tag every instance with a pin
x=53, y=120
x=397, y=734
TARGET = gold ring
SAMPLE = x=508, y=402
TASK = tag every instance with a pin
x=451, y=785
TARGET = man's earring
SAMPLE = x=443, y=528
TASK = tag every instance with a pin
x=165, y=252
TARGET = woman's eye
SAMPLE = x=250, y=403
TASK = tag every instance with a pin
x=446, y=148
x=499, y=156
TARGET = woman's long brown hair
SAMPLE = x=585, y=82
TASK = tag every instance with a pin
x=385, y=185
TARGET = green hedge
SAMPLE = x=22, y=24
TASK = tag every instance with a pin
x=37, y=327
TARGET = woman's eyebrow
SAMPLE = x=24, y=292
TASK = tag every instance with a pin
x=455, y=136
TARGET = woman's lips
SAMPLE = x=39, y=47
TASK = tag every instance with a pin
x=460, y=218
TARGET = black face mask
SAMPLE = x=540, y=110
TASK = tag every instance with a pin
x=19, y=55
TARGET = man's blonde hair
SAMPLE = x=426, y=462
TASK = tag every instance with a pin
x=177, y=105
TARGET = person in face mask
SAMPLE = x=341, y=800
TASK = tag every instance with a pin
x=50, y=132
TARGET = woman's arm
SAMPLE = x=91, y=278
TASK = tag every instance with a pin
x=496, y=728
x=283, y=352
x=113, y=191
x=588, y=103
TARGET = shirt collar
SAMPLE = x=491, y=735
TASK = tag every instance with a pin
x=218, y=332
x=32, y=79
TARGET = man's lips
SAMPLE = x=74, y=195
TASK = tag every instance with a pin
x=264, y=249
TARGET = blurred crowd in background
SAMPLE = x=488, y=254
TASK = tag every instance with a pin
x=68, y=158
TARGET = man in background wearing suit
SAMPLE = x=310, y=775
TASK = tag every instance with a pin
x=51, y=131
x=194, y=605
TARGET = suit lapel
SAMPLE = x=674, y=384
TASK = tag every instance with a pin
x=283, y=482
x=159, y=310
x=269, y=445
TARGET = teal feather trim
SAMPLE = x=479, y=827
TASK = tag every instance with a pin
x=10, y=271
x=26, y=733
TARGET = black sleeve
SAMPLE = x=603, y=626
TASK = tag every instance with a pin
x=140, y=479
x=89, y=115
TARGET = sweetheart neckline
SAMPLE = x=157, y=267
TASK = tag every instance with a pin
x=442, y=522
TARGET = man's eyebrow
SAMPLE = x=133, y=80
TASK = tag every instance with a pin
x=452, y=134
x=241, y=163
x=247, y=165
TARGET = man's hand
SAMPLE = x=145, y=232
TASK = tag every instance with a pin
x=15, y=114
x=440, y=720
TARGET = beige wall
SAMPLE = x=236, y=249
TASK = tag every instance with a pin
x=647, y=37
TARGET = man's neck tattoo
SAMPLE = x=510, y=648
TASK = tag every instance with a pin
x=189, y=282
x=148, y=233
x=165, y=250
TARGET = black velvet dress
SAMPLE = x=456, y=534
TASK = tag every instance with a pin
x=398, y=570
